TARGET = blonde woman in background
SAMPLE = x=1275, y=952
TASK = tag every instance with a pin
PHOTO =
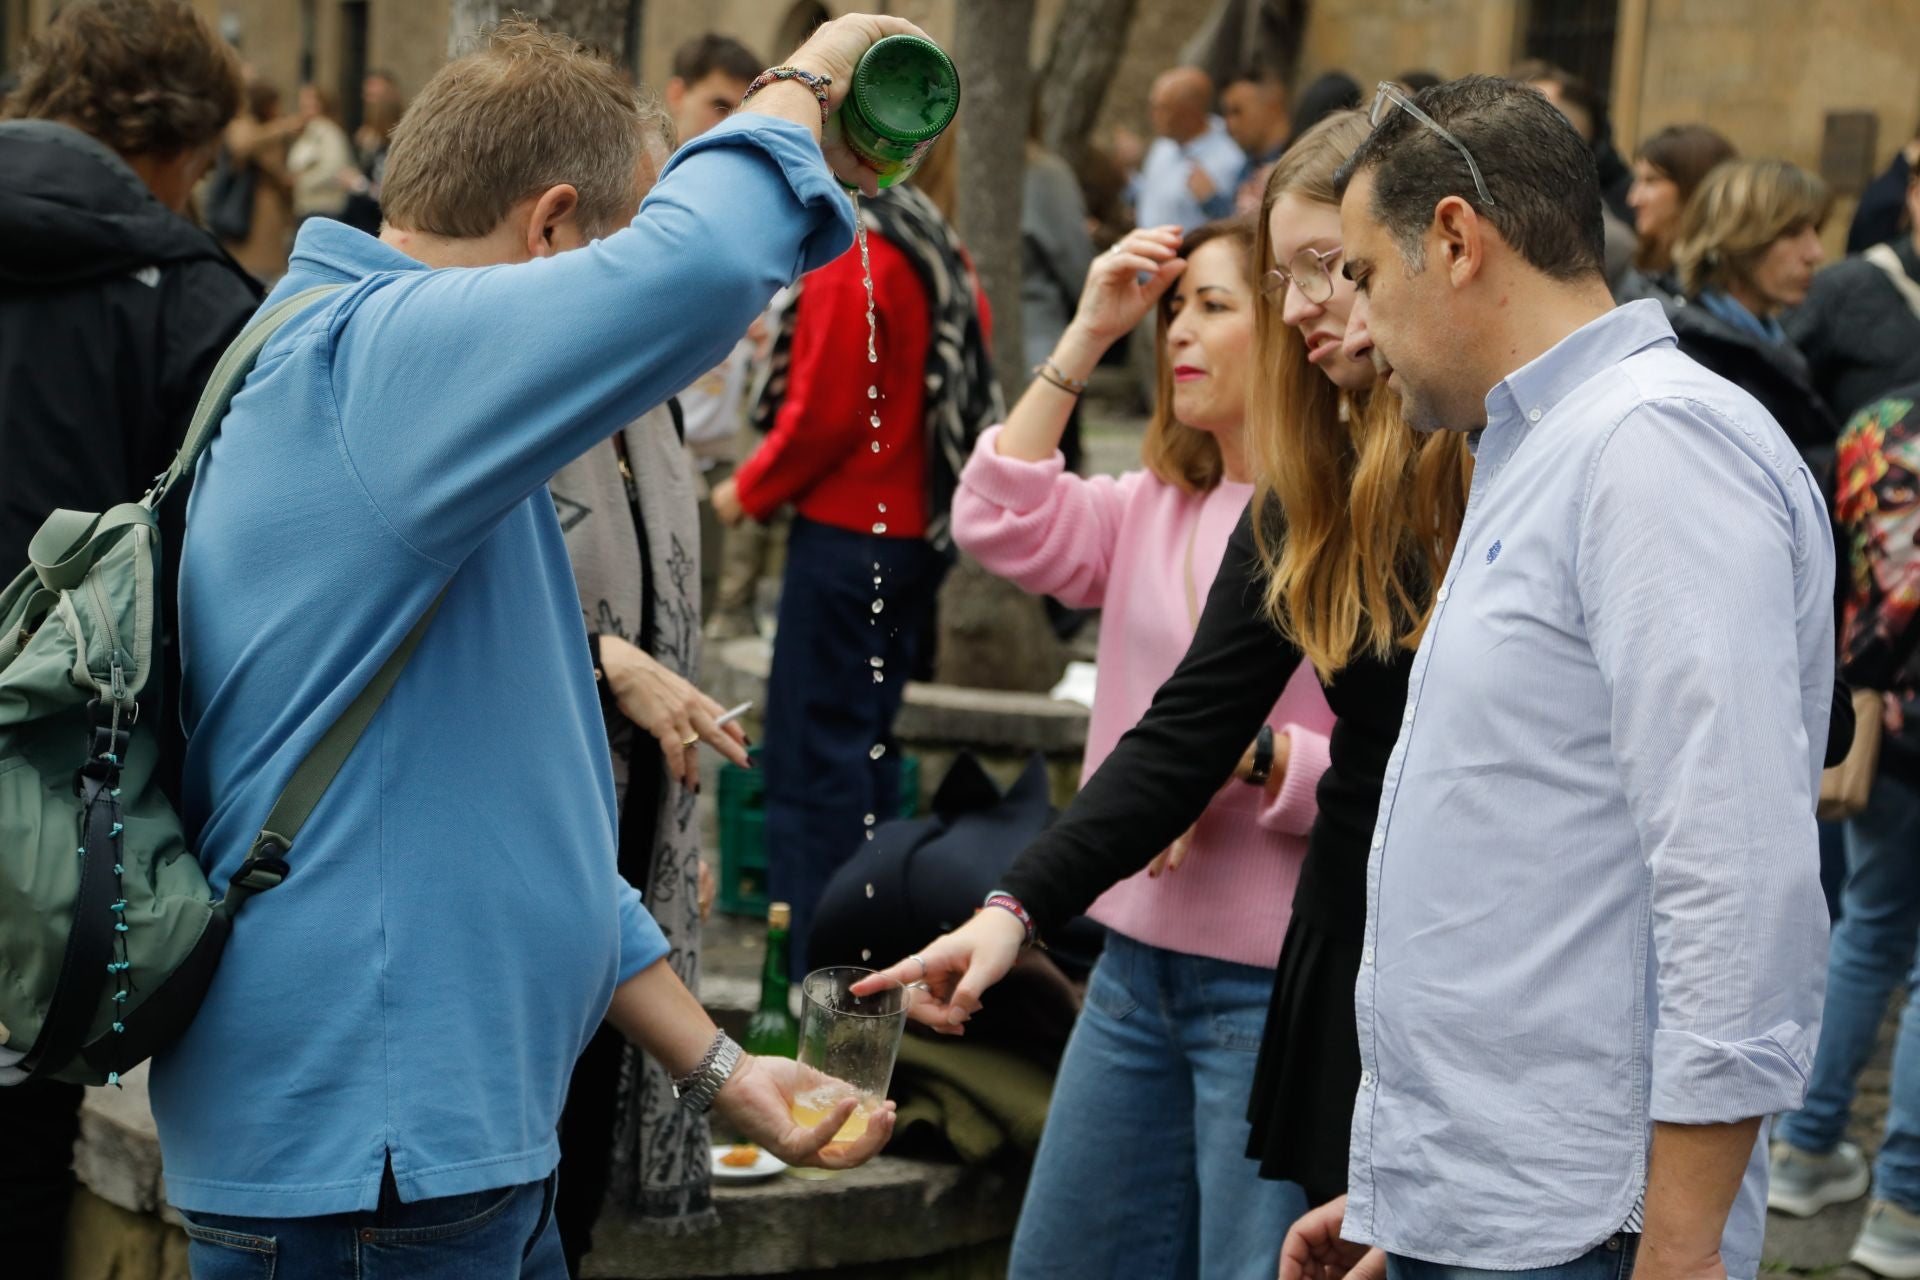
x=319, y=157
x=1745, y=250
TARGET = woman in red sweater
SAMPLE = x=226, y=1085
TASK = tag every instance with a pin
x=867, y=451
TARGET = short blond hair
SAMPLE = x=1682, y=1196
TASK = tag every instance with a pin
x=1741, y=207
x=529, y=110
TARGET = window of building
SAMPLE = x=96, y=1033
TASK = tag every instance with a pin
x=1575, y=34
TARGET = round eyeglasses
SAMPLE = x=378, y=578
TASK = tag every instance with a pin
x=1310, y=271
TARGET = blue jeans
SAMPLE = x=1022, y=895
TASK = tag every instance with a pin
x=1610, y=1261
x=507, y=1233
x=826, y=712
x=1142, y=1170
x=1871, y=953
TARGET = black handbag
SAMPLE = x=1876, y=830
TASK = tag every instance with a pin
x=229, y=209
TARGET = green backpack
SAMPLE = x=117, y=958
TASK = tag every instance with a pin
x=109, y=934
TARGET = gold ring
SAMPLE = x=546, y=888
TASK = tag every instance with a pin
x=688, y=742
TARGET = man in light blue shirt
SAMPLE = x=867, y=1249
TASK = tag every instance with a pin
x=373, y=1083
x=1191, y=138
x=1595, y=939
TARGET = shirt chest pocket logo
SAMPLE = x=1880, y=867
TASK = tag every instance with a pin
x=1493, y=552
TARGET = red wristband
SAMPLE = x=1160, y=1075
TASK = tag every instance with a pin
x=1010, y=904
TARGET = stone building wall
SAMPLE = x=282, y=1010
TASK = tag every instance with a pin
x=1763, y=72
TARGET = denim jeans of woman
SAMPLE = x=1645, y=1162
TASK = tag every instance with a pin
x=1872, y=953
x=1142, y=1170
x=507, y=1233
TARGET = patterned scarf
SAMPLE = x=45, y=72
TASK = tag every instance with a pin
x=643, y=585
x=963, y=397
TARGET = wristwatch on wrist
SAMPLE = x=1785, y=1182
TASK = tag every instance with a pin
x=1262, y=757
x=699, y=1087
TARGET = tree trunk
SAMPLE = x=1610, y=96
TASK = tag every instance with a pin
x=993, y=635
x=1241, y=34
x=990, y=49
x=1088, y=39
x=598, y=24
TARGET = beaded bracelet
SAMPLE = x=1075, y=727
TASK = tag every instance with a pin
x=1007, y=902
x=818, y=83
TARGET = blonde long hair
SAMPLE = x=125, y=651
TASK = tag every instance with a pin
x=1357, y=514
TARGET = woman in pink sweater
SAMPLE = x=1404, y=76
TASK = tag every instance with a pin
x=1151, y=1090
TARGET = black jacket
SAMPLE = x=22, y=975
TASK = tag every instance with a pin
x=1773, y=373
x=113, y=310
x=1859, y=335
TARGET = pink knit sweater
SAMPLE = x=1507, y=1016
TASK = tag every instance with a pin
x=1120, y=545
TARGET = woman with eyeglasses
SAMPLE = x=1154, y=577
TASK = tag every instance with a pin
x=1357, y=516
x=1175, y=1005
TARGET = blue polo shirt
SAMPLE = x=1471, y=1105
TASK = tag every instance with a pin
x=451, y=933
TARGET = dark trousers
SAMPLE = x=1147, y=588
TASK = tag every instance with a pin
x=38, y=1124
x=586, y=1143
x=825, y=710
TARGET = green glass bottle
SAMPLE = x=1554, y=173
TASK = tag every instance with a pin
x=774, y=1032
x=905, y=93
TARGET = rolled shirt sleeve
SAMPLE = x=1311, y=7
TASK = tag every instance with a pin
x=1698, y=627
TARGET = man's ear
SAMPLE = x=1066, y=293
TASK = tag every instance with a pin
x=553, y=209
x=1460, y=235
x=675, y=94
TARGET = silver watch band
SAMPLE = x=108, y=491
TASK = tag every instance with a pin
x=699, y=1087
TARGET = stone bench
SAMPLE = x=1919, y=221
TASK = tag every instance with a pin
x=1002, y=729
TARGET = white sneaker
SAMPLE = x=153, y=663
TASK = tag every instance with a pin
x=1802, y=1184
x=1889, y=1241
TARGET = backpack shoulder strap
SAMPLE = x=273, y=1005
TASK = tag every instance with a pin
x=265, y=865
x=229, y=375
x=1883, y=257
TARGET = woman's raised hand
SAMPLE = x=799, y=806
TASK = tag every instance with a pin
x=955, y=970
x=1126, y=281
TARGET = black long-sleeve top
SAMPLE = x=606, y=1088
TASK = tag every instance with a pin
x=1162, y=773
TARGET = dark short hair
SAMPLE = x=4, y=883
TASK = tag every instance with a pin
x=1250, y=73
x=703, y=55
x=146, y=77
x=1415, y=81
x=1539, y=172
x=1577, y=92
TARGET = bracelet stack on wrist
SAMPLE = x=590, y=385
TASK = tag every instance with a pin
x=1011, y=905
x=699, y=1087
x=818, y=83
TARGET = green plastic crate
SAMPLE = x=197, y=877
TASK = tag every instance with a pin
x=743, y=832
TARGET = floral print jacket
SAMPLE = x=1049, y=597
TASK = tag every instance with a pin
x=1877, y=515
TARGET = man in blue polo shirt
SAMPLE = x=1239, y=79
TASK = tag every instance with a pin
x=373, y=1084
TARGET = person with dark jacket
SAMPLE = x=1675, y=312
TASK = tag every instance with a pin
x=1860, y=325
x=1882, y=213
x=1747, y=247
x=113, y=309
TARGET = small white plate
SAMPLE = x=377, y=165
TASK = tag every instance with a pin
x=765, y=1165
